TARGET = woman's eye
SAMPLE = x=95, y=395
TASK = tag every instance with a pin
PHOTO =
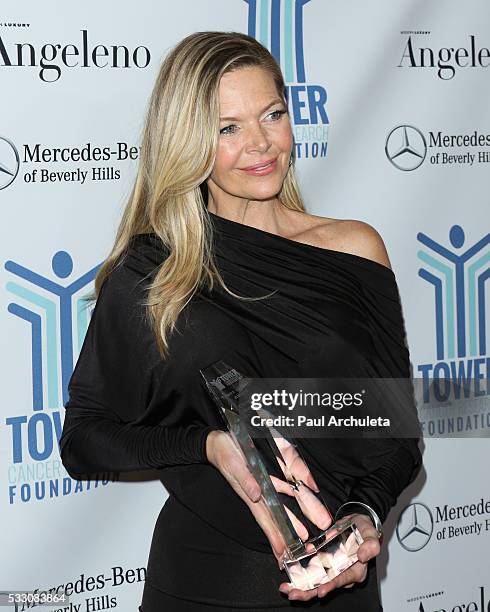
x=223, y=131
x=275, y=114
x=278, y=113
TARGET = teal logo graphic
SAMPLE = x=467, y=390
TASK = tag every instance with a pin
x=458, y=275
x=57, y=316
x=278, y=26
x=458, y=278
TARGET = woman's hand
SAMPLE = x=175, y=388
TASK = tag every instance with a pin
x=222, y=452
x=225, y=456
x=369, y=549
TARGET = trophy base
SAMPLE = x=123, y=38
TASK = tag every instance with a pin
x=331, y=553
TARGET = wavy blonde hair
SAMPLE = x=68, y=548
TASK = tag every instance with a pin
x=179, y=145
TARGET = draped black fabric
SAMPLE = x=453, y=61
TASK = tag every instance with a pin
x=331, y=314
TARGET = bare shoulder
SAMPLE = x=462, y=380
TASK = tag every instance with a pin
x=349, y=236
x=360, y=238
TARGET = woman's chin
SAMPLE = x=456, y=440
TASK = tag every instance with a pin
x=265, y=192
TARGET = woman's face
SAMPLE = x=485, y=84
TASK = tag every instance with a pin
x=254, y=129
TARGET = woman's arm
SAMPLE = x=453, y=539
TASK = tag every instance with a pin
x=381, y=488
x=395, y=462
x=119, y=394
x=92, y=442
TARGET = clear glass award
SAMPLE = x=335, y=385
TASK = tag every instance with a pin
x=315, y=551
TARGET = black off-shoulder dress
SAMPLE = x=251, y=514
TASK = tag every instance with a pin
x=333, y=314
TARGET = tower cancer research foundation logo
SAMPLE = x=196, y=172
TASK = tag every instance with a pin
x=415, y=527
x=57, y=317
x=457, y=275
x=278, y=26
x=9, y=162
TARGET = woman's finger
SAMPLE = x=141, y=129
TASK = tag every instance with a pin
x=293, y=463
x=308, y=502
x=281, y=486
x=369, y=549
x=371, y=545
x=298, y=525
x=297, y=594
x=300, y=471
x=313, y=508
x=355, y=573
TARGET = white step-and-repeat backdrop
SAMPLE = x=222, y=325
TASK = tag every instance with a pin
x=390, y=103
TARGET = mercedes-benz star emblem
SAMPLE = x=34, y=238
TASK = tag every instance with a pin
x=406, y=147
x=9, y=162
x=415, y=526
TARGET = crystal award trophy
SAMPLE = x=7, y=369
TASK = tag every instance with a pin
x=315, y=551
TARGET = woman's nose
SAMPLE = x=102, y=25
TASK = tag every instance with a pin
x=257, y=138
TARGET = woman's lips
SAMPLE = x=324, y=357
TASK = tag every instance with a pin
x=262, y=170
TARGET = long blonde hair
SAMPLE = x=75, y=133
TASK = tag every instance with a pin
x=179, y=145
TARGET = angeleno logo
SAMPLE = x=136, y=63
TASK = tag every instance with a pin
x=446, y=58
x=51, y=57
x=278, y=26
x=479, y=603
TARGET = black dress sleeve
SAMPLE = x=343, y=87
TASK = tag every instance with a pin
x=118, y=397
x=381, y=488
x=395, y=462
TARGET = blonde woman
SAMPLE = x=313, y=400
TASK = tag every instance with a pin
x=216, y=258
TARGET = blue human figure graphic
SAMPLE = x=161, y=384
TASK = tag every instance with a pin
x=455, y=280
x=62, y=266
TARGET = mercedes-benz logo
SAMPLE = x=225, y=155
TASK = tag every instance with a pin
x=9, y=162
x=406, y=147
x=415, y=526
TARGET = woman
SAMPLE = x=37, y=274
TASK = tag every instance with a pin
x=216, y=258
